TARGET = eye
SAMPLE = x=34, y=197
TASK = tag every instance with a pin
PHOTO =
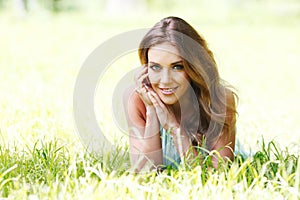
x=155, y=67
x=178, y=67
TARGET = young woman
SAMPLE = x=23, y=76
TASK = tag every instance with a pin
x=180, y=104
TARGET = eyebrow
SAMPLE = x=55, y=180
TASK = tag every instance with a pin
x=174, y=63
x=177, y=62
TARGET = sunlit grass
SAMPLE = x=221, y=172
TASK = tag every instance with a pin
x=41, y=155
x=50, y=167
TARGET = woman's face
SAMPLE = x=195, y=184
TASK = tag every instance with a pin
x=166, y=73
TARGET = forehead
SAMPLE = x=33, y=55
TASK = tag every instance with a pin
x=163, y=53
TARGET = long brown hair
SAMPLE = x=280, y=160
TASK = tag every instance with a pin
x=200, y=65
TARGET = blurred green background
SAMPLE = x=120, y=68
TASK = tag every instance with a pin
x=43, y=44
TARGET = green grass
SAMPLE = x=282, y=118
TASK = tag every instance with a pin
x=49, y=170
x=41, y=154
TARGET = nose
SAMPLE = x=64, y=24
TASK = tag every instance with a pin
x=166, y=76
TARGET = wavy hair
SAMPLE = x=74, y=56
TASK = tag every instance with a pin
x=200, y=65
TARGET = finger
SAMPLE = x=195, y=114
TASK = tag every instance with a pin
x=161, y=104
x=139, y=73
x=140, y=82
x=142, y=77
x=152, y=99
x=159, y=110
x=142, y=91
x=148, y=87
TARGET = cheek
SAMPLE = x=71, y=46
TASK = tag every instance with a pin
x=181, y=77
x=186, y=77
x=154, y=77
x=184, y=81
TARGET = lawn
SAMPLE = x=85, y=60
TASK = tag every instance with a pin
x=41, y=153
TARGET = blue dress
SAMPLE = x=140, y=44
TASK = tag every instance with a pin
x=171, y=156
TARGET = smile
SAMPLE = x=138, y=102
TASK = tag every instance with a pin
x=168, y=91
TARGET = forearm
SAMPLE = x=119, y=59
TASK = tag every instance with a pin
x=152, y=124
x=146, y=146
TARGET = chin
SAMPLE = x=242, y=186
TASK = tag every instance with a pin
x=169, y=100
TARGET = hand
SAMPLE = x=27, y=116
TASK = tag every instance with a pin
x=164, y=112
x=141, y=87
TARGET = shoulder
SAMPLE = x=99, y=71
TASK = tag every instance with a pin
x=227, y=136
x=231, y=98
x=133, y=104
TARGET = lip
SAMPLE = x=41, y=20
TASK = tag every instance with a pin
x=168, y=90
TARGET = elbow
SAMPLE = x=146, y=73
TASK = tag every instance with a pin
x=144, y=160
x=223, y=158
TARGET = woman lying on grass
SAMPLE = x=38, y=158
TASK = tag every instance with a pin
x=180, y=104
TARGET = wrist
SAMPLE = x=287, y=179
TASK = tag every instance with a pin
x=150, y=110
x=150, y=107
x=174, y=126
x=174, y=130
x=177, y=132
